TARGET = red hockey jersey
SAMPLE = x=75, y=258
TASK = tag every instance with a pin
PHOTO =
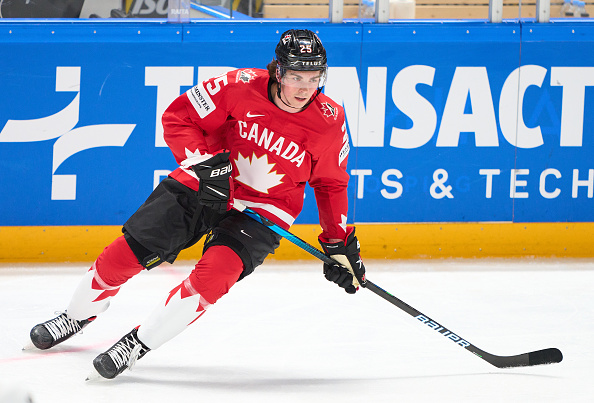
x=274, y=153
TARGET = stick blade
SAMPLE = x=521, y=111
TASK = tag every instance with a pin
x=540, y=357
x=547, y=356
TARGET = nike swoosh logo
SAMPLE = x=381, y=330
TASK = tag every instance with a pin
x=216, y=191
x=250, y=115
x=245, y=233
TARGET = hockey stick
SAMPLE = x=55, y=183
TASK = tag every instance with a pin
x=547, y=356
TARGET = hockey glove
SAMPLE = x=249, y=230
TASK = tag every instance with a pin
x=349, y=272
x=216, y=183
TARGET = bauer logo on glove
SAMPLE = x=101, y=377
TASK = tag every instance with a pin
x=216, y=183
x=221, y=171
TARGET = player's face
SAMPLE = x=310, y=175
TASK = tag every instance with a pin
x=297, y=87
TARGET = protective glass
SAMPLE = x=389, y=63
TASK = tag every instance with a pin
x=304, y=79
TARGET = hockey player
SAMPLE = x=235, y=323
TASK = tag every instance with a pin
x=253, y=136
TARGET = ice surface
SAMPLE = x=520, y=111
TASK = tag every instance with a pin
x=284, y=334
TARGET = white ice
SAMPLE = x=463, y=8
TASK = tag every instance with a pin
x=285, y=334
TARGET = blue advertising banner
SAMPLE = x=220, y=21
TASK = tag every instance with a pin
x=449, y=122
x=555, y=154
x=419, y=159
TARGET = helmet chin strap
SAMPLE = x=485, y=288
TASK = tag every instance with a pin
x=278, y=93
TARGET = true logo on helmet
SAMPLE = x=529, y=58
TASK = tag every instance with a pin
x=329, y=110
x=286, y=39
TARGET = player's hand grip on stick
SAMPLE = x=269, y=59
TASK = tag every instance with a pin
x=216, y=183
x=350, y=273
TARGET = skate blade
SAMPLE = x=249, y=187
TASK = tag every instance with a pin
x=94, y=376
x=29, y=347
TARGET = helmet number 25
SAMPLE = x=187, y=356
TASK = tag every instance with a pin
x=305, y=48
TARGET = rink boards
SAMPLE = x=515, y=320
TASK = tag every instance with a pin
x=467, y=138
x=378, y=241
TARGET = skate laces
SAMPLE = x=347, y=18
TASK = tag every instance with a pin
x=134, y=355
x=126, y=352
x=62, y=326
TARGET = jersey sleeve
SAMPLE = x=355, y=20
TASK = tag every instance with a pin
x=192, y=120
x=329, y=181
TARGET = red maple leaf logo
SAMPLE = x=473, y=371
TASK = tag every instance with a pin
x=184, y=293
x=329, y=110
x=106, y=293
x=245, y=76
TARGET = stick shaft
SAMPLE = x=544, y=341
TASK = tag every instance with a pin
x=547, y=356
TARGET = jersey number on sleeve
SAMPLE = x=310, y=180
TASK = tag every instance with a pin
x=213, y=89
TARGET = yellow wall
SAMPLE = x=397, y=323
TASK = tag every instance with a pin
x=378, y=241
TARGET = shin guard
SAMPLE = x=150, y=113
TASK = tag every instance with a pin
x=113, y=267
x=91, y=297
x=181, y=308
x=212, y=278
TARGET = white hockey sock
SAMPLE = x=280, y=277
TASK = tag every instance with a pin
x=181, y=308
x=91, y=297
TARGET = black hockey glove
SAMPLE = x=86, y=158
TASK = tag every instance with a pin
x=216, y=183
x=349, y=272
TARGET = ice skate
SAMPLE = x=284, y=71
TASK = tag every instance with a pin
x=48, y=334
x=120, y=356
